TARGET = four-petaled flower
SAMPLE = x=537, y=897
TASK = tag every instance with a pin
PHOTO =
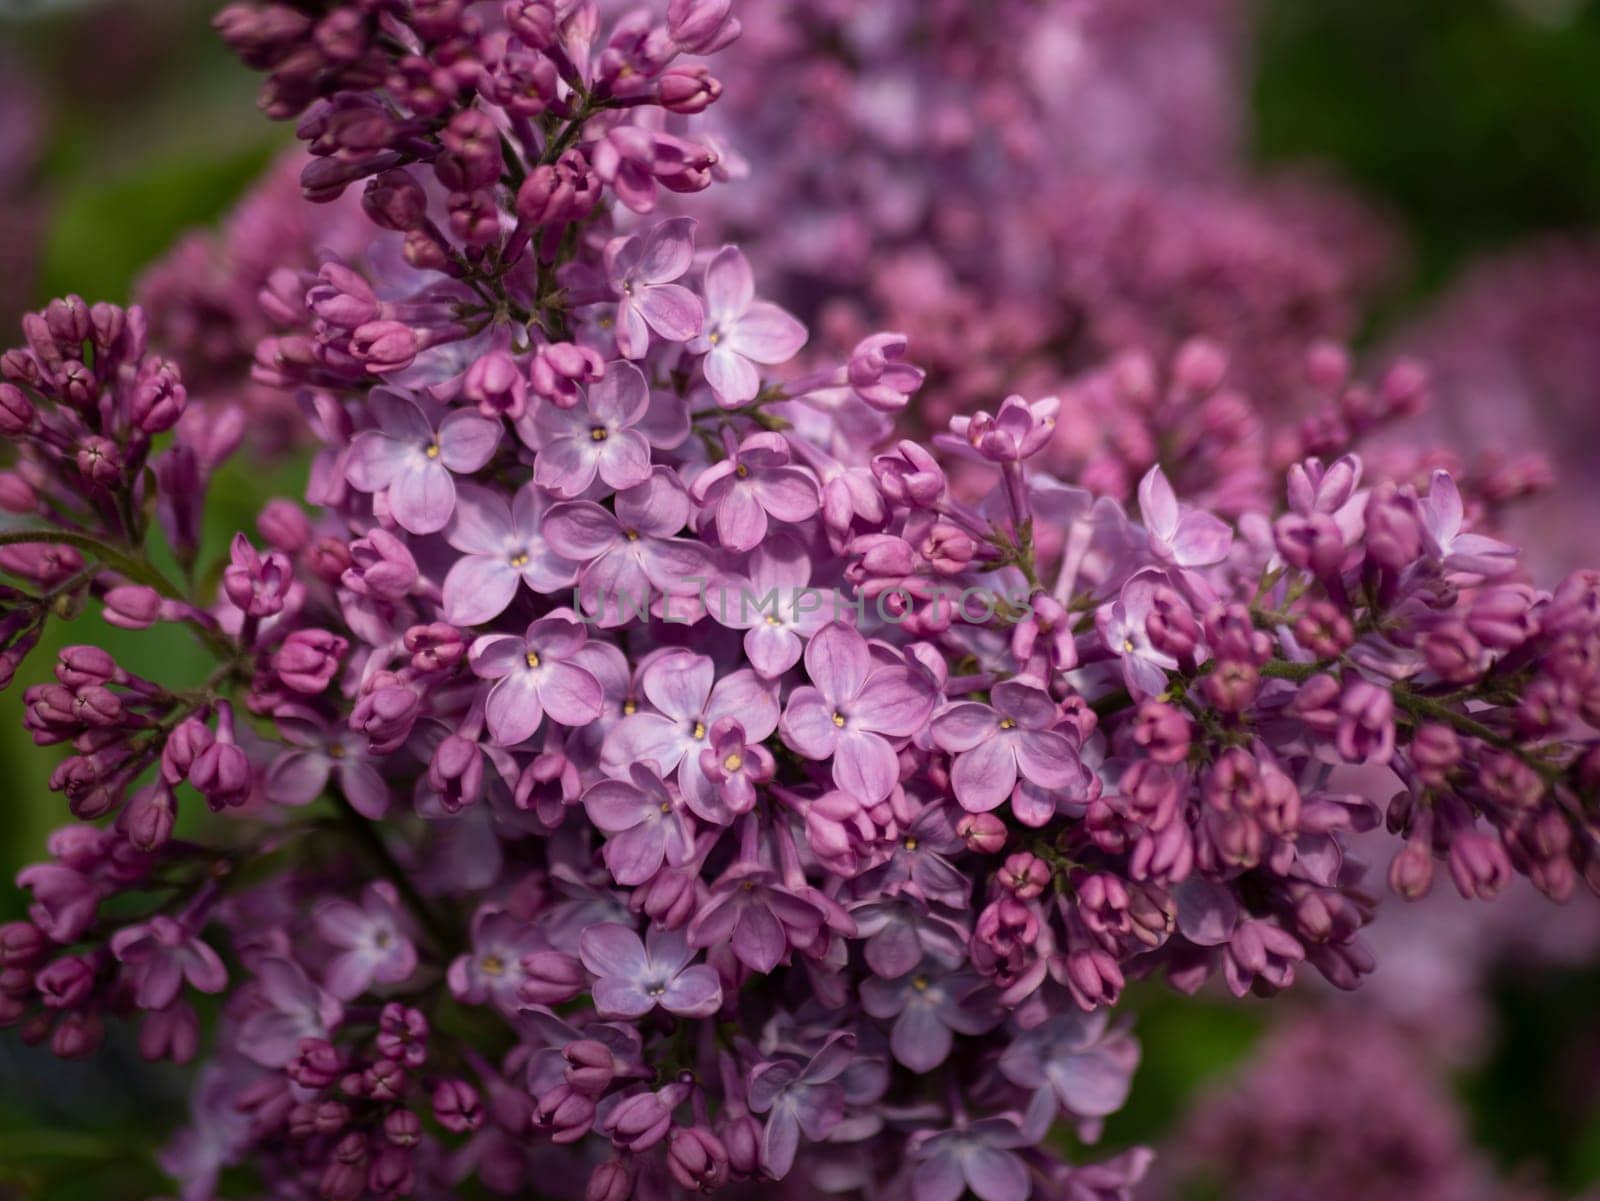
x=596, y=437
x=644, y=823
x=634, y=977
x=741, y=331
x=994, y=743
x=752, y=484
x=502, y=545
x=852, y=708
x=540, y=672
x=374, y=946
x=640, y=271
x=412, y=462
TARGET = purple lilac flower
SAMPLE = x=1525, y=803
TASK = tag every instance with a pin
x=635, y=977
x=644, y=822
x=640, y=271
x=741, y=331
x=502, y=546
x=160, y=956
x=852, y=708
x=412, y=460
x=595, y=437
x=799, y=1096
x=997, y=744
x=688, y=701
x=929, y=1005
x=374, y=946
x=753, y=485
x=538, y=673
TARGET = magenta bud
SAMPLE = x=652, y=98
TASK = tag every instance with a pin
x=284, y=526
x=551, y=978
x=456, y=1106
x=590, y=1066
x=688, y=90
x=609, y=1181
x=985, y=834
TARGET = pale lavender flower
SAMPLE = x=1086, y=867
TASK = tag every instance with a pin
x=688, y=701
x=374, y=946
x=640, y=271
x=1086, y=1063
x=851, y=710
x=595, y=437
x=159, y=955
x=979, y=1155
x=635, y=977
x=491, y=973
x=1180, y=536
x=644, y=823
x=503, y=545
x=800, y=1097
x=754, y=483
x=1124, y=627
x=741, y=331
x=631, y=551
x=1442, y=516
x=995, y=744
x=929, y=1005
x=413, y=461
x=286, y=1008
x=537, y=673
x=300, y=775
x=751, y=909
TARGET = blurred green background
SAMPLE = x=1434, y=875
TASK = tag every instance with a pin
x=1476, y=121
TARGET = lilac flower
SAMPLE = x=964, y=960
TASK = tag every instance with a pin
x=852, y=708
x=757, y=916
x=644, y=823
x=994, y=744
x=800, y=1097
x=286, y=1008
x=741, y=331
x=640, y=271
x=540, y=672
x=159, y=955
x=771, y=611
x=929, y=1005
x=299, y=776
x=1443, y=515
x=734, y=765
x=374, y=945
x=492, y=972
x=502, y=546
x=755, y=483
x=1124, y=627
x=1087, y=1065
x=688, y=701
x=1179, y=536
x=631, y=551
x=979, y=1155
x=596, y=437
x=635, y=977
x=412, y=461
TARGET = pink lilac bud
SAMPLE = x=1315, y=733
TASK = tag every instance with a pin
x=149, y=818
x=394, y=201
x=1024, y=875
x=702, y=26
x=610, y=1181
x=435, y=647
x=697, y=1159
x=284, y=526
x=688, y=90
x=456, y=1106
x=559, y=193
x=551, y=978
x=879, y=374
x=258, y=584
x=561, y=368
x=640, y=1122
x=402, y=1128
x=17, y=415
x=495, y=384
x=590, y=1066
x=984, y=833
x=316, y=1064
x=1232, y=685
x=1162, y=731
x=308, y=660
x=566, y=1113
x=1366, y=723
x=222, y=775
x=1324, y=630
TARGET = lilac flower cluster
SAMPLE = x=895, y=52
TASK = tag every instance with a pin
x=537, y=860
